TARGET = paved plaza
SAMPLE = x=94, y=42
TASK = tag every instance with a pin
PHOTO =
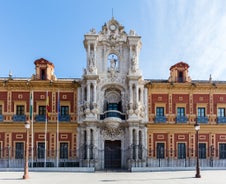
x=173, y=177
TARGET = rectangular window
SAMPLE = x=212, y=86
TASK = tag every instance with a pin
x=20, y=110
x=0, y=150
x=19, y=150
x=221, y=112
x=202, y=150
x=160, y=111
x=63, y=150
x=160, y=150
x=222, y=150
x=201, y=112
x=0, y=109
x=43, y=74
x=181, y=152
x=181, y=111
x=41, y=150
x=64, y=110
x=42, y=110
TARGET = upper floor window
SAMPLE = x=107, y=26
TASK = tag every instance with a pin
x=160, y=111
x=113, y=62
x=43, y=74
x=221, y=112
x=180, y=76
x=20, y=110
x=64, y=110
x=180, y=111
x=201, y=112
x=42, y=110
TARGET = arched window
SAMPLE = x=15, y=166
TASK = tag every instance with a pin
x=113, y=62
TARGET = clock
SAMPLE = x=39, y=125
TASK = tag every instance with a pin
x=112, y=27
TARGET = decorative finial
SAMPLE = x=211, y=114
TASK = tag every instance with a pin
x=112, y=13
x=10, y=75
x=210, y=79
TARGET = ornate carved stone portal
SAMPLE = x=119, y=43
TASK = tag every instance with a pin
x=112, y=95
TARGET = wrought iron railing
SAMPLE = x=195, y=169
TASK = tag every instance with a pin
x=40, y=118
x=113, y=114
x=221, y=120
x=160, y=119
x=1, y=118
x=19, y=117
x=64, y=118
x=181, y=119
x=202, y=119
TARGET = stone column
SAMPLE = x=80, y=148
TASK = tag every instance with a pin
x=131, y=141
x=94, y=92
x=137, y=142
x=131, y=93
x=88, y=142
x=88, y=92
x=88, y=55
x=137, y=93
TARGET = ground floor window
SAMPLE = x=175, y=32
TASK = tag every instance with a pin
x=202, y=150
x=222, y=150
x=63, y=150
x=41, y=150
x=181, y=151
x=160, y=150
x=19, y=150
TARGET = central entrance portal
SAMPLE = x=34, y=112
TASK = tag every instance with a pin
x=112, y=154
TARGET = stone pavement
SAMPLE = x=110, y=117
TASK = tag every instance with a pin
x=172, y=177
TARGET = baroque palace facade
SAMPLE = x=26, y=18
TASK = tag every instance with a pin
x=112, y=117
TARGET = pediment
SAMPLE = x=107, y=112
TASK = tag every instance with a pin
x=181, y=65
x=42, y=61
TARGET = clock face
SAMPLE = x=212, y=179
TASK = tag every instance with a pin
x=112, y=27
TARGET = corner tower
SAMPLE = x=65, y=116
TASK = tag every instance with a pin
x=113, y=110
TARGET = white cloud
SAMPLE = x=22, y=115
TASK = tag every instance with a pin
x=192, y=31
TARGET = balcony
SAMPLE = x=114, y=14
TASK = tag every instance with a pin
x=221, y=120
x=160, y=119
x=19, y=118
x=40, y=118
x=1, y=118
x=202, y=119
x=112, y=114
x=181, y=119
x=112, y=118
x=66, y=118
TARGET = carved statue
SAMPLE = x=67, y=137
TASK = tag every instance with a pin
x=134, y=63
x=113, y=63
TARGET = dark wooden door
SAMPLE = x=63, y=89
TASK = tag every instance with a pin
x=112, y=154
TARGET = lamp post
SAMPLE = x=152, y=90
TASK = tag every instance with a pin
x=27, y=127
x=197, y=128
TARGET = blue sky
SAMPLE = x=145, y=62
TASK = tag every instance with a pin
x=193, y=31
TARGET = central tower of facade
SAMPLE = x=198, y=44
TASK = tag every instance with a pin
x=112, y=101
